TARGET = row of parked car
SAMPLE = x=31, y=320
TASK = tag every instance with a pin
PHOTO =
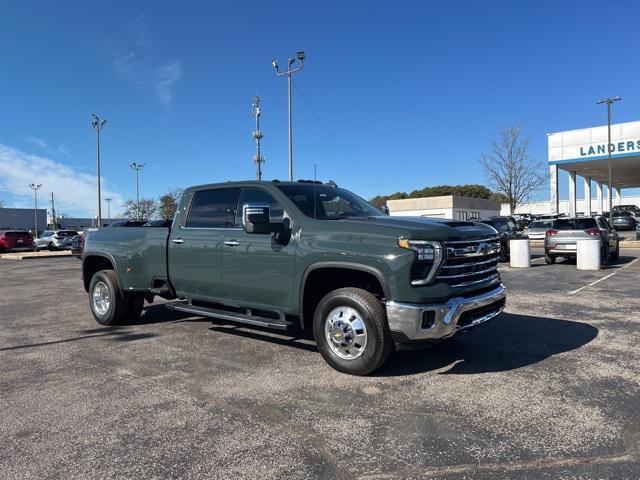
x=61, y=239
x=561, y=234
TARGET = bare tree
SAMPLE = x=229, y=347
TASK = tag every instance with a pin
x=509, y=168
x=148, y=208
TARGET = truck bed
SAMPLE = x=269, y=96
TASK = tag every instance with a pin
x=140, y=253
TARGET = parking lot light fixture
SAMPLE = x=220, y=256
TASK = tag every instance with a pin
x=137, y=167
x=35, y=189
x=608, y=102
x=289, y=72
x=97, y=123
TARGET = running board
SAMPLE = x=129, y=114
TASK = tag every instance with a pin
x=233, y=316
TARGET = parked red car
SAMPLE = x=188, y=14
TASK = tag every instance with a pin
x=16, y=241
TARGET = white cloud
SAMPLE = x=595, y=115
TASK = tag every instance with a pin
x=39, y=142
x=133, y=61
x=75, y=192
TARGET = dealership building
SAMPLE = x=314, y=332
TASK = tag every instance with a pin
x=22, y=218
x=583, y=154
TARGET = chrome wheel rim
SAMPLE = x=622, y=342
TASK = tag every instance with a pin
x=101, y=299
x=346, y=333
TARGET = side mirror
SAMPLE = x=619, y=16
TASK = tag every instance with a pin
x=256, y=219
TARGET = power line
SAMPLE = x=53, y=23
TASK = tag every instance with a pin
x=332, y=138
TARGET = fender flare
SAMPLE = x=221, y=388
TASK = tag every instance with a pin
x=109, y=257
x=336, y=264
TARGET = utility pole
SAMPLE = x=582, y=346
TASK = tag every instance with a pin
x=315, y=173
x=108, y=200
x=609, y=101
x=53, y=212
x=97, y=125
x=35, y=189
x=137, y=167
x=257, y=135
x=290, y=71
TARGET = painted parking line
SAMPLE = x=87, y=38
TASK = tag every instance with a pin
x=604, y=278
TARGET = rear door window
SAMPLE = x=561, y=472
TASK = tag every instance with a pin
x=213, y=208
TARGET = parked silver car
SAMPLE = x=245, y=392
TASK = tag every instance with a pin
x=55, y=239
x=561, y=239
x=536, y=229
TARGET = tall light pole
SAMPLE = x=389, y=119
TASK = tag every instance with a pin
x=137, y=167
x=290, y=71
x=609, y=101
x=108, y=200
x=257, y=135
x=97, y=125
x=35, y=189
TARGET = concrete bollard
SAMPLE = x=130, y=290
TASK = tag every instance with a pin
x=520, y=252
x=588, y=254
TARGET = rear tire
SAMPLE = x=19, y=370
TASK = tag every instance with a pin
x=135, y=304
x=549, y=259
x=108, y=304
x=616, y=253
x=51, y=247
x=351, y=331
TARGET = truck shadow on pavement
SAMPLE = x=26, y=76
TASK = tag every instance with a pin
x=506, y=343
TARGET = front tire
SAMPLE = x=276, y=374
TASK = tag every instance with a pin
x=351, y=331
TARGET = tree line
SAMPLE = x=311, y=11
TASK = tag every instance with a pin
x=512, y=174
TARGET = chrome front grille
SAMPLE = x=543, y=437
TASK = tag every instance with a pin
x=469, y=262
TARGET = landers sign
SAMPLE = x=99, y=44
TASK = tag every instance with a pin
x=619, y=147
x=591, y=143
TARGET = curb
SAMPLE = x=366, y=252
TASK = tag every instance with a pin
x=17, y=256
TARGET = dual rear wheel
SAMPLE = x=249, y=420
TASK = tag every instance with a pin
x=109, y=304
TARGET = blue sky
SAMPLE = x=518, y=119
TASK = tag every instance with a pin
x=409, y=92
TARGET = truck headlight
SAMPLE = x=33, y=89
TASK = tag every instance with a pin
x=429, y=256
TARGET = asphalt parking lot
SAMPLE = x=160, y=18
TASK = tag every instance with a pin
x=549, y=390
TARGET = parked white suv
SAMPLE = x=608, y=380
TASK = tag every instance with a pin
x=55, y=239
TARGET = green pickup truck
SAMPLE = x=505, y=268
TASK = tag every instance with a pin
x=272, y=254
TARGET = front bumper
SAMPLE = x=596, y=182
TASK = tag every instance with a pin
x=417, y=322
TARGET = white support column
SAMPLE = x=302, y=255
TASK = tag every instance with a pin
x=572, y=194
x=587, y=195
x=599, y=198
x=553, y=182
x=618, y=197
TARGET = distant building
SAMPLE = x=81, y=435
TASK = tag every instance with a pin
x=452, y=207
x=22, y=218
x=80, y=223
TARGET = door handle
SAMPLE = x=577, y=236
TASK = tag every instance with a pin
x=232, y=243
x=178, y=241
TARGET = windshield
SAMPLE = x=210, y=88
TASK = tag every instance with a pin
x=324, y=202
x=625, y=208
x=502, y=224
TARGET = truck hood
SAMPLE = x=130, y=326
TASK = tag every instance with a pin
x=424, y=228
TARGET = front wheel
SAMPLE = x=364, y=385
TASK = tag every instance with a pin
x=351, y=331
